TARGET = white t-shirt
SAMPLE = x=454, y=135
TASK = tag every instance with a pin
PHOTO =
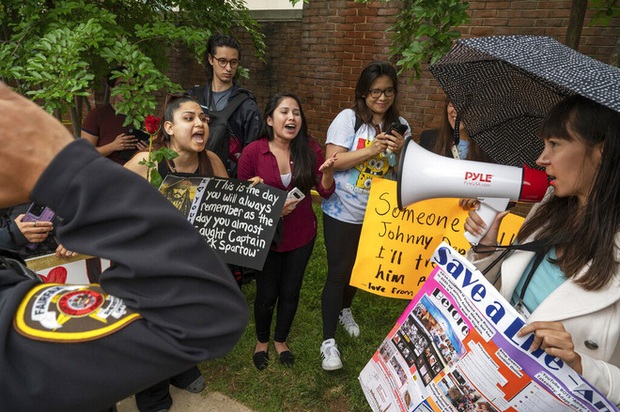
x=348, y=202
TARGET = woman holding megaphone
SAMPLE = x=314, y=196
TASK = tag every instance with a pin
x=576, y=231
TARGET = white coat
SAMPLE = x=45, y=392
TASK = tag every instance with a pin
x=591, y=317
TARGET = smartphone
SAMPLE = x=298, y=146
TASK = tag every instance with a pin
x=139, y=134
x=401, y=129
x=398, y=127
x=37, y=213
x=295, y=194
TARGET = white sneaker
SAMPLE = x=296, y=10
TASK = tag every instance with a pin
x=330, y=355
x=346, y=320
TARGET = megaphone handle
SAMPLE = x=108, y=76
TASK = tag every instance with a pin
x=489, y=208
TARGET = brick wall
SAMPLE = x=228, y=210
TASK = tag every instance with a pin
x=320, y=56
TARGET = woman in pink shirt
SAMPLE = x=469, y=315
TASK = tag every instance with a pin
x=285, y=157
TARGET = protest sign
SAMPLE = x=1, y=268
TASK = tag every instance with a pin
x=395, y=246
x=238, y=220
x=455, y=348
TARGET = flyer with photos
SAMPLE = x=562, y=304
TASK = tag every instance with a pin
x=455, y=348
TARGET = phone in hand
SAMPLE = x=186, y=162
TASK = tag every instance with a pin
x=37, y=213
x=139, y=134
x=398, y=127
x=295, y=194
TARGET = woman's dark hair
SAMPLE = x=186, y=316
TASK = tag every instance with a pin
x=219, y=40
x=370, y=73
x=585, y=235
x=445, y=139
x=302, y=155
x=172, y=104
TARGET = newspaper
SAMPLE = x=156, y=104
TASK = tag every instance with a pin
x=455, y=348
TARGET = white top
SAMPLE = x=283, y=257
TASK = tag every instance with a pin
x=348, y=203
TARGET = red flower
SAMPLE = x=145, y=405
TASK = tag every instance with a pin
x=151, y=123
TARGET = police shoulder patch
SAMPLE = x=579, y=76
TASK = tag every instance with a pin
x=55, y=312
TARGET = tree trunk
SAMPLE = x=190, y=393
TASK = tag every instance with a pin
x=575, y=23
x=76, y=121
x=614, y=60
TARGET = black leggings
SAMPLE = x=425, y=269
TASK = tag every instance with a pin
x=279, y=282
x=341, y=241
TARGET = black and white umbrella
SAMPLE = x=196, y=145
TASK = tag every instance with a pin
x=502, y=87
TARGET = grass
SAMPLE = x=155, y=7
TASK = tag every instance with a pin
x=306, y=386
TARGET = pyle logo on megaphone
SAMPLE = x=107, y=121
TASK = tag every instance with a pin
x=476, y=179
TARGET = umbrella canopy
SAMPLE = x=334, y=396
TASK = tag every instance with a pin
x=502, y=87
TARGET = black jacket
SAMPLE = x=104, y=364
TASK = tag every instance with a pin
x=182, y=304
x=10, y=236
x=244, y=123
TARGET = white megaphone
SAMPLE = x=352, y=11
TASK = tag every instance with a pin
x=424, y=175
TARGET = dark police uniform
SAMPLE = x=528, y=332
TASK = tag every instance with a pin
x=166, y=303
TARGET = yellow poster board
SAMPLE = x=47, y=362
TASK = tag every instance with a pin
x=395, y=247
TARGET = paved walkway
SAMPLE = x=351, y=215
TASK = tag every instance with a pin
x=185, y=401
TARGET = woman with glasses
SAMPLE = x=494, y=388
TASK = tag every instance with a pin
x=184, y=128
x=365, y=148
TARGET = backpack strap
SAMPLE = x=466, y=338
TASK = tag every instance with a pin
x=219, y=137
x=358, y=123
x=232, y=106
x=198, y=93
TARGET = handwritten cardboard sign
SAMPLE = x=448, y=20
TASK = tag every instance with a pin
x=238, y=220
x=396, y=246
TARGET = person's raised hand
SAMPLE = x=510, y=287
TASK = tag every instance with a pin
x=29, y=139
x=328, y=164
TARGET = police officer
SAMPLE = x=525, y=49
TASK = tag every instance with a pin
x=166, y=303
